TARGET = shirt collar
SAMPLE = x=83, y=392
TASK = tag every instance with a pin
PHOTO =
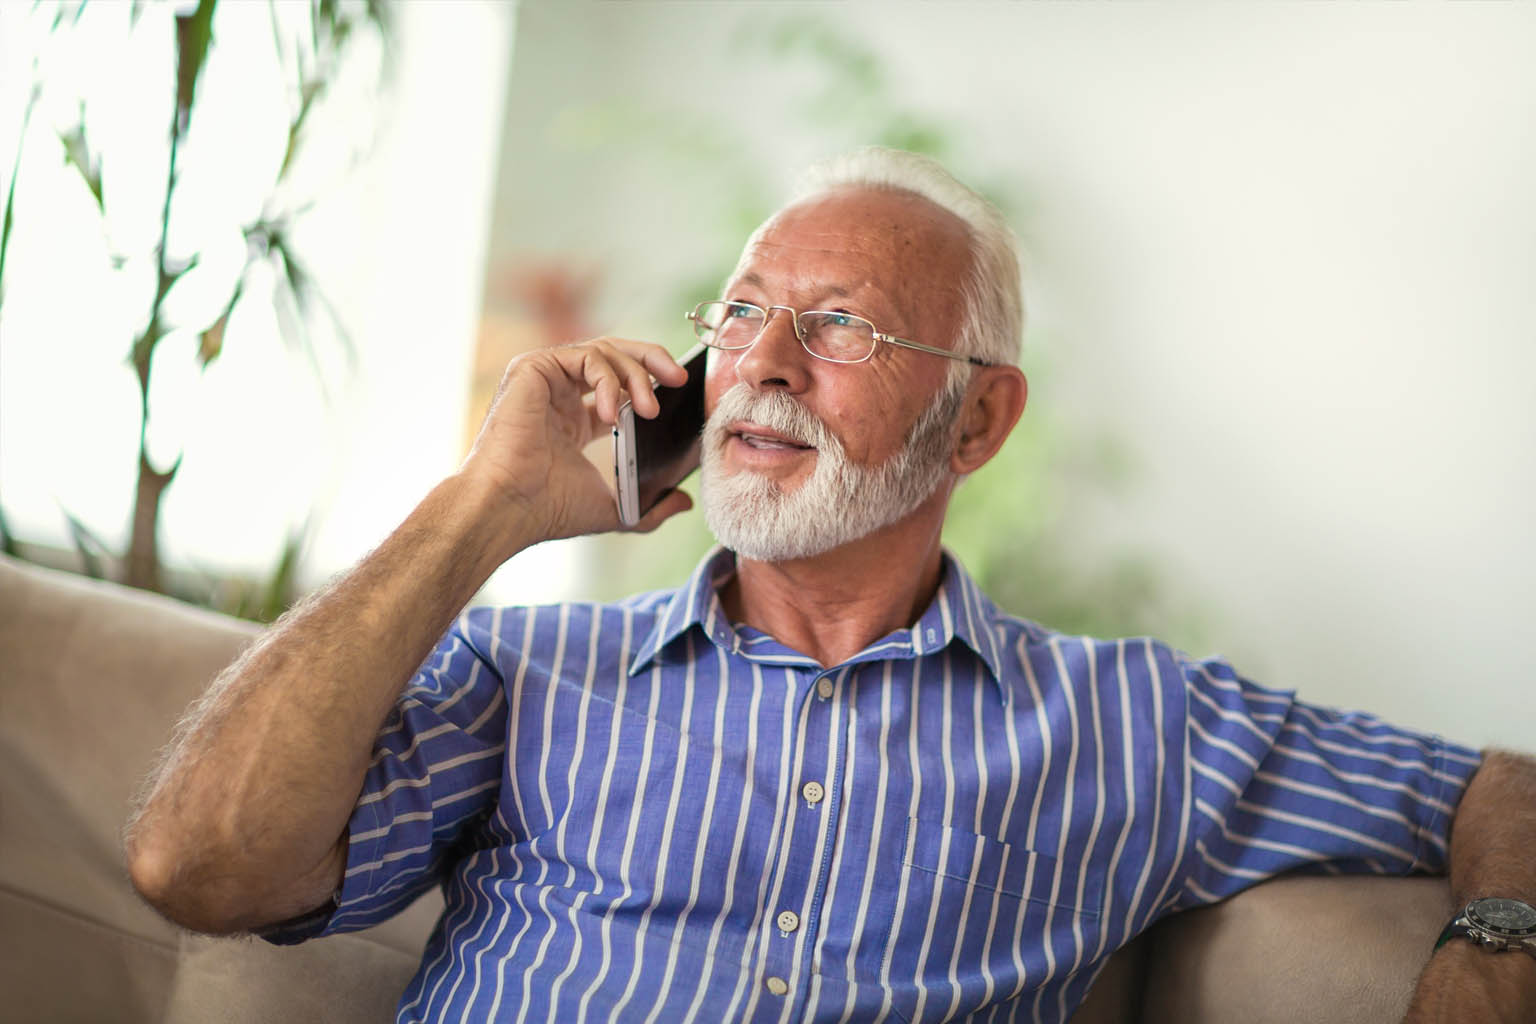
x=694, y=603
x=959, y=611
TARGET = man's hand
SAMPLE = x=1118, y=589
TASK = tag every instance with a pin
x=550, y=405
x=1493, y=853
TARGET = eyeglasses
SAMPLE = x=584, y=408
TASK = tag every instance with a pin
x=835, y=337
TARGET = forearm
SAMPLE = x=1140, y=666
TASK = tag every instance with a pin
x=244, y=819
x=1493, y=836
x=1493, y=853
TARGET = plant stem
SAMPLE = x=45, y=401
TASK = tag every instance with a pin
x=143, y=568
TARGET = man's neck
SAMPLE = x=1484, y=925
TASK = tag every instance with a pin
x=834, y=605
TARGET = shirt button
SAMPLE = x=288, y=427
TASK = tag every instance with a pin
x=812, y=792
x=824, y=687
x=789, y=921
x=777, y=986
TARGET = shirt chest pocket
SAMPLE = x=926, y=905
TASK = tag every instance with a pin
x=967, y=904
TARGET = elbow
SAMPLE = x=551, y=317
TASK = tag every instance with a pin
x=165, y=878
x=152, y=870
x=212, y=890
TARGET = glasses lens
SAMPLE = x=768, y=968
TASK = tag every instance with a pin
x=840, y=337
x=728, y=324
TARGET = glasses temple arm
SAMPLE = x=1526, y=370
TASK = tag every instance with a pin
x=903, y=343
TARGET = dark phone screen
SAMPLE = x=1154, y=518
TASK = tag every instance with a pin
x=667, y=447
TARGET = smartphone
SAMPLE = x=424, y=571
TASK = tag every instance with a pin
x=650, y=457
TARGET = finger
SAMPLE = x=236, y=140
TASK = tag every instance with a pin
x=598, y=374
x=611, y=368
x=676, y=502
x=636, y=379
x=657, y=361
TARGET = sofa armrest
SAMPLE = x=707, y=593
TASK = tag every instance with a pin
x=1327, y=950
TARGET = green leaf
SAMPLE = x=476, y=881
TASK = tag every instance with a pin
x=78, y=155
x=9, y=219
x=379, y=13
x=193, y=33
x=89, y=546
x=277, y=32
x=308, y=93
x=325, y=14
x=309, y=301
x=7, y=538
x=281, y=587
x=211, y=341
x=382, y=19
x=293, y=271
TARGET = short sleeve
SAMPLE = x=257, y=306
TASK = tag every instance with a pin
x=435, y=775
x=1279, y=785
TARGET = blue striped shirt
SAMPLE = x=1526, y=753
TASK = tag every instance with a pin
x=642, y=812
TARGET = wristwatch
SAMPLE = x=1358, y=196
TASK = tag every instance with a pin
x=1495, y=923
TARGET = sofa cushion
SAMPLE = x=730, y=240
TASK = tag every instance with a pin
x=248, y=981
x=61, y=967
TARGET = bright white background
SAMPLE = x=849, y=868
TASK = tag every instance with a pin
x=1284, y=250
x=397, y=242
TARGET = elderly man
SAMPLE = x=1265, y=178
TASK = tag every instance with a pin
x=825, y=779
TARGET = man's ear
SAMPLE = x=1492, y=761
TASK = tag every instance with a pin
x=993, y=404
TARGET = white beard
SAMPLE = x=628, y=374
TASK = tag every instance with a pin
x=840, y=502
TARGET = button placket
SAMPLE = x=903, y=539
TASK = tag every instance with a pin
x=806, y=861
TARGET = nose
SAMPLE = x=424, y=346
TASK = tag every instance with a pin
x=776, y=359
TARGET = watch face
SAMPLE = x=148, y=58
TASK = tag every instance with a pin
x=1507, y=917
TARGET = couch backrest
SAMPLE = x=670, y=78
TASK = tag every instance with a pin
x=93, y=677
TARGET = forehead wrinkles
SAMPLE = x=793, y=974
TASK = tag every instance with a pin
x=912, y=253
x=790, y=271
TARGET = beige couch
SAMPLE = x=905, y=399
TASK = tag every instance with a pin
x=92, y=678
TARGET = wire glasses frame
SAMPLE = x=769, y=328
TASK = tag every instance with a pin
x=710, y=320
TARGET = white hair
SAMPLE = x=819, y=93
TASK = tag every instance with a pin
x=992, y=321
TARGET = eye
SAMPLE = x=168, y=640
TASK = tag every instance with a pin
x=840, y=320
x=738, y=310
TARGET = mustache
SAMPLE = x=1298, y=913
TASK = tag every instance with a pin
x=775, y=410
